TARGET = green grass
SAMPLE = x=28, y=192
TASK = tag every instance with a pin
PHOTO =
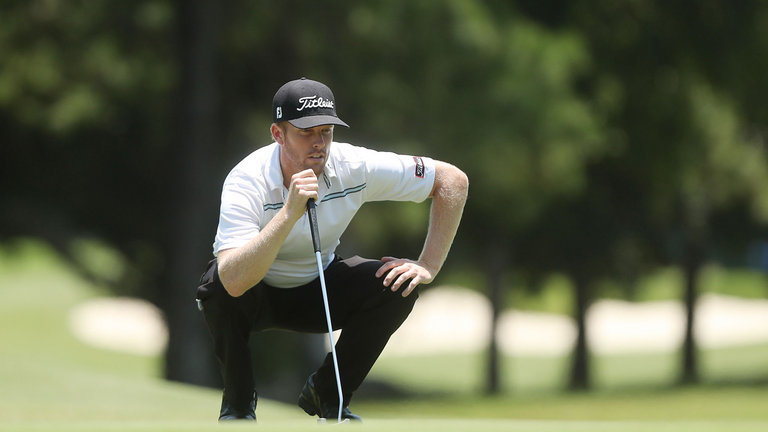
x=522, y=376
x=51, y=382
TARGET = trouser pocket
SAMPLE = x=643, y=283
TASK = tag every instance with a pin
x=209, y=285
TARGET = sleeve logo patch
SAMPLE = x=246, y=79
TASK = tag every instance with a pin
x=419, y=167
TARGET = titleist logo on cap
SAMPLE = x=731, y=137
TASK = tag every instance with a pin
x=314, y=102
x=305, y=103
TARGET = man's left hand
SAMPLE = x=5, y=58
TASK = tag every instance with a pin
x=400, y=270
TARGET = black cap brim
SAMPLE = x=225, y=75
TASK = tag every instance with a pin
x=313, y=121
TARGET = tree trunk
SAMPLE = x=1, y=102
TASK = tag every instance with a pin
x=695, y=245
x=580, y=377
x=193, y=200
x=497, y=263
x=690, y=368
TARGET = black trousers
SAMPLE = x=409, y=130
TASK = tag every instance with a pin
x=366, y=311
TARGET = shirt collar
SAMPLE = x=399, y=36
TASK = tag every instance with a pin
x=330, y=168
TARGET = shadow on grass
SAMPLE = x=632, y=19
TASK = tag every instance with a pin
x=376, y=390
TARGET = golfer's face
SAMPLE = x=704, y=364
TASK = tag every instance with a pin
x=307, y=148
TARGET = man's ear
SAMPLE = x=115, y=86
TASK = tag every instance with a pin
x=277, y=133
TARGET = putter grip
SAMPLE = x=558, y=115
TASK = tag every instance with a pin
x=312, y=213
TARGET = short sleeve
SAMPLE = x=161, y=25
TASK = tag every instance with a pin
x=395, y=177
x=240, y=215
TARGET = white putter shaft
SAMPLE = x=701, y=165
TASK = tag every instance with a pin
x=316, y=243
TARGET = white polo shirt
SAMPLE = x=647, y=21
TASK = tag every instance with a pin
x=253, y=193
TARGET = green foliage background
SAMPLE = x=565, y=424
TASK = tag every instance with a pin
x=604, y=140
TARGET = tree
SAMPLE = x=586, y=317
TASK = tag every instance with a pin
x=473, y=84
x=668, y=79
x=192, y=206
x=87, y=120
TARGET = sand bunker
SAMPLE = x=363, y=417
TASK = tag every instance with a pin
x=458, y=320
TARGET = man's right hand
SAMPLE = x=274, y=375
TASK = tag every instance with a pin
x=303, y=187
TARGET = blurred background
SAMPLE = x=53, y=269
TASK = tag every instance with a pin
x=616, y=233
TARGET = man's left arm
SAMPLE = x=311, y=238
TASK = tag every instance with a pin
x=449, y=194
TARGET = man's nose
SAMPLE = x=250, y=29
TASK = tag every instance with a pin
x=318, y=140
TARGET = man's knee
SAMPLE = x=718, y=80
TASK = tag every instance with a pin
x=402, y=305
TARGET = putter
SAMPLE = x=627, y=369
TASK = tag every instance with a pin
x=316, y=243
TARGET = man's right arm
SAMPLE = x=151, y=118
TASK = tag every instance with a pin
x=243, y=267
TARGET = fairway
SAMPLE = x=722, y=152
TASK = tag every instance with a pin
x=49, y=381
x=421, y=425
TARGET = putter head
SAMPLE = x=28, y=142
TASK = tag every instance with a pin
x=322, y=420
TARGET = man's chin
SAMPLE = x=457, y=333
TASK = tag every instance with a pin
x=316, y=165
